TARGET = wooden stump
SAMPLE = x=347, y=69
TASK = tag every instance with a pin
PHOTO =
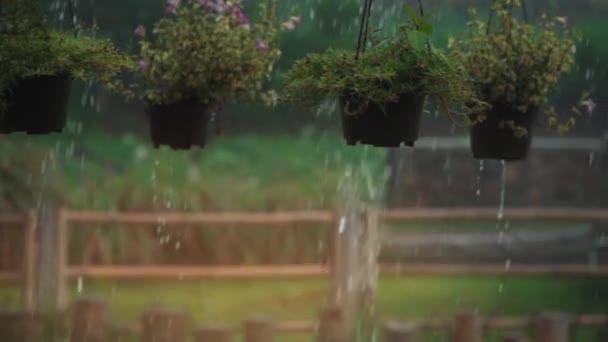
x=213, y=333
x=332, y=326
x=553, y=327
x=162, y=325
x=20, y=326
x=89, y=320
x=467, y=328
x=515, y=338
x=399, y=332
x=259, y=330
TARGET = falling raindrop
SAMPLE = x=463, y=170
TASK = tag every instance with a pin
x=503, y=190
x=79, y=285
x=342, y=225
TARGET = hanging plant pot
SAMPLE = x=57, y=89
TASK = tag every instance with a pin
x=395, y=125
x=180, y=125
x=492, y=140
x=37, y=105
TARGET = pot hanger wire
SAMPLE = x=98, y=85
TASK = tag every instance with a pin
x=364, y=26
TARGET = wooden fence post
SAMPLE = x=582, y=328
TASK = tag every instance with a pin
x=331, y=325
x=259, y=330
x=400, y=332
x=21, y=326
x=467, y=327
x=29, y=262
x=51, y=282
x=89, y=320
x=213, y=333
x=62, y=260
x=354, y=267
x=553, y=327
x=162, y=325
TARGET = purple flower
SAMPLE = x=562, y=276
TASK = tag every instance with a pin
x=218, y=5
x=172, y=6
x=241, y=18
x=291, y=24
x=262, y=46
x=590, y=106
x=140, y=31
x=143, y=64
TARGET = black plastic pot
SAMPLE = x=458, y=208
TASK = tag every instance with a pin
x=37, y=105
x=395, y=125
x=180, y=125
x=491, y=141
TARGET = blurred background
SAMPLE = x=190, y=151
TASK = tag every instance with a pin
x=289, y=159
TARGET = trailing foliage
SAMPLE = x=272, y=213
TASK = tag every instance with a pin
x=207, y=50
x=406, y=64
x=28, y=48
x=514, y=63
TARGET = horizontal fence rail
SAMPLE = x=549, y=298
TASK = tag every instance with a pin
x=200, y=218
x=319, y=270
x=548, y=214
x=197, y=272
x=522, y=214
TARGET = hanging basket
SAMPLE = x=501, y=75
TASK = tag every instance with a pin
x=180, y=125
x=491, y=140
x=37, y=105
x=395, y=125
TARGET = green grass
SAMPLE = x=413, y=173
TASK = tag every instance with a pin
x=239, y=173
x=415, y=298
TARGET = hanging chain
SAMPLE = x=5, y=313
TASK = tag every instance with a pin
x=363, y=30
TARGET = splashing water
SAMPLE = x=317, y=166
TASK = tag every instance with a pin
x=359, y=239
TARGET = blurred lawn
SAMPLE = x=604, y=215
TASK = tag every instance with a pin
x=400, y=298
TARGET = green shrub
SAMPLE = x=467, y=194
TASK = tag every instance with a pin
x=513, y=63
x=28, y=48
x=207, y=50
x=405, y=64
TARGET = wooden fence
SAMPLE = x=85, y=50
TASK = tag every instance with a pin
x=88, y=321
x=340, y=266
x=62, y=271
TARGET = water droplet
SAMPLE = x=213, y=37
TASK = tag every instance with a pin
x=342, y=225
x=503, y=190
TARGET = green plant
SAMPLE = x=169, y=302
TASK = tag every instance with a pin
x=405, y=64
x=514, y=63
x=207, y=50
x=28, y=49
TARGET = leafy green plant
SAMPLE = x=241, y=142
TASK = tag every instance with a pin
x=513, y=63
x=208, y=50
x=28, y=49
x=405, y=64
